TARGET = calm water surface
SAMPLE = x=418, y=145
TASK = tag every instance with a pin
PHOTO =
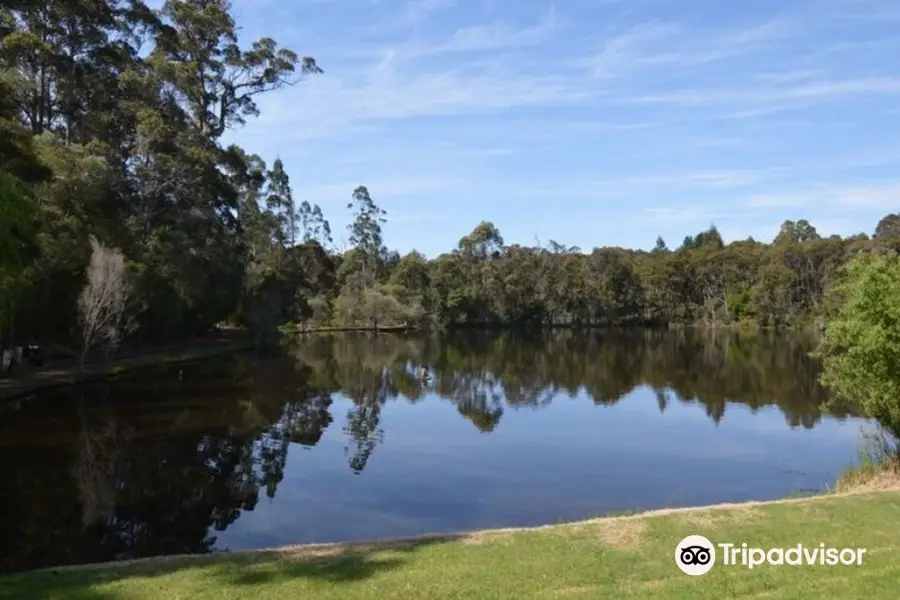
x=337, y=438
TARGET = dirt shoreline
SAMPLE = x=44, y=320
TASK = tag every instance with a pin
x=66, y=372
x=324, y=550
x=62, y=372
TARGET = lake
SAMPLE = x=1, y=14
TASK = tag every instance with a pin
x=337, y=438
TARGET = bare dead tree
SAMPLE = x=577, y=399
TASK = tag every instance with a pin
x=94, y=469
x=105, y=305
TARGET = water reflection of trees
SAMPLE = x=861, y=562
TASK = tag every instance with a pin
x=485, y=374
x=155, y=466
x=143, y=468
x=482, y=374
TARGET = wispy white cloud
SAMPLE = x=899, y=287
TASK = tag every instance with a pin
x=497, y=35
x=417, y=10
x=329, y=105
x=668, y=45
x=400, y=82
x=621, y=53
x=393, y=188
x=699, y=179
x=716, y=142
x=499, y=107
x=788, y=76
x=816, y=90
x=689, y=214
x=864, y=10
x=885, y=197
x=778, y=200
x=872, y=196
x=404, y=216
x=614, y=187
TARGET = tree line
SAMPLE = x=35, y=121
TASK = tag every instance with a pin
x=125, y=217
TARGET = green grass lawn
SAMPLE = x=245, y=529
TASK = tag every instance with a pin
x=615, y=558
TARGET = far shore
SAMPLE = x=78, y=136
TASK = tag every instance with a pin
x=66, y=372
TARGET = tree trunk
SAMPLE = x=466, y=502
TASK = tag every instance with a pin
x=82, y=359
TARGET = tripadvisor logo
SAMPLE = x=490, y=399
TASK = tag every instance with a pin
x=696, y=555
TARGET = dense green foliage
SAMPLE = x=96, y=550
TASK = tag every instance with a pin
x=111, y=116
x=17, y=214
x=111, y=121
x=861, y=346
x=704, y=280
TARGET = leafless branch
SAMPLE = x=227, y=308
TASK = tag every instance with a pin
x=104, y=307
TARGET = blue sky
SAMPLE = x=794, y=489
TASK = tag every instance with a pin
x=588, y=122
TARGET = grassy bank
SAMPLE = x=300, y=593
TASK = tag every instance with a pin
x=622, y=557
x=67, y=374
x=870, y=476
x=877, y=467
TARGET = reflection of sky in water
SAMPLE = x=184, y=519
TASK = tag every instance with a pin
x=436, y=472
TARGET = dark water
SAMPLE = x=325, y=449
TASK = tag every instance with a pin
x=338, y=439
